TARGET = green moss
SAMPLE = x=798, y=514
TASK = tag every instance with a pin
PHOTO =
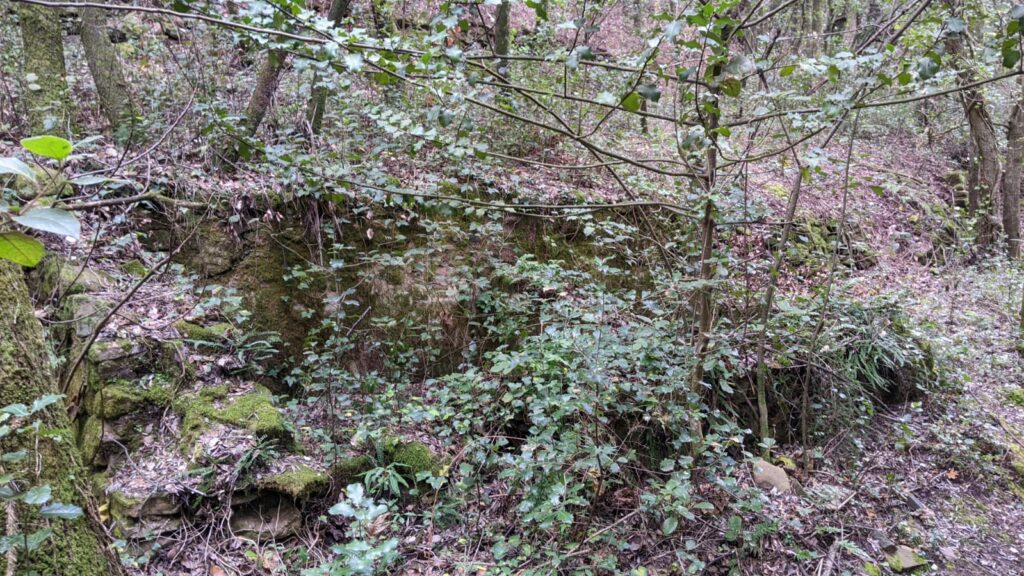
x=215, y=333
x=299, y=483
x=134, y=268
x=90, y=437
x=57, y=276
x=254, y=412
x=123, y=397
x=1016, y=396
x=350, y=470
x=413, y=458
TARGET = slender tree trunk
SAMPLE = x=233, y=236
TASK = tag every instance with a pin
x=503, y=35
x=107, y=74
x=25, y=375
x=259, y=102
x=980, y=199
x=318, y=102
x=1010, y=186
x=44, y=76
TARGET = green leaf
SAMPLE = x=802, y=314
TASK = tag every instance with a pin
x=49, y=146
x=17, y=167
x=649, y=92
x=787, y=70
x=37, y=495
x=631, y=102
x=44, y=401
x=52, y=220
x=669, y=525
x=926, y=68
x=58, y=510
x=955, y=25
x=735, y=528
x=731, y=87
x=20, y=248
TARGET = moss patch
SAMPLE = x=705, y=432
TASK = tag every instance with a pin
x=412, y=458
x=1016, y=397
x=134, y=268
x=299, y=483
x=215, y=333
x=350, y=470
x=254, y=412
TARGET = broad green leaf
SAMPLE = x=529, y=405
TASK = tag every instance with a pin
x=53, y=220
x=37, y=495
x=58, y=510
x=20, y=248
x=787, y=70
x=649, y=92
x=49, y=146
x=17, y=167
x=669, y=525
x=731, y=87
x=44, y=401
x=631, y=102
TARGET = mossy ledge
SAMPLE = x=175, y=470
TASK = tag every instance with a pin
x=254, y=411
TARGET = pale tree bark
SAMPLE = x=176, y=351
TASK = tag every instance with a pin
x=25, y=375
x=1010, y=186
x=107, y=74
x=44, y=77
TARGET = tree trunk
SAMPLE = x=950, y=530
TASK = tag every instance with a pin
x=43, y=73
x=105, y=67
x=1010, y=186
x=318, y=102
x=502, y=35
x=980, y=199
x=25, y=375
x=259, y=103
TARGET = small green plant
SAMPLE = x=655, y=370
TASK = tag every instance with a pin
x=29, y=203
x=1016, y=396
x=17, y=485
x=366, y=553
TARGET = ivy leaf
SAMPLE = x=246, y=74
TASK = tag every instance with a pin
x=37, y=495
x=17, y=167
x=955, y=25
x=52, y=220
x=631, y=102
x=58, y=510
x=20, y=249
x=926, y=68
x=649, y=92
x=49, y=146
x=731, y=87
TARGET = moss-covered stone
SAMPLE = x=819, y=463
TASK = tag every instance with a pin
x=123, y=397
x=1016, y=396
x=254, y=412
x=351, y=470
x=134, y=268
x=412, y=458
x=214, y=333
x=58, y=277
x=299, y=483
